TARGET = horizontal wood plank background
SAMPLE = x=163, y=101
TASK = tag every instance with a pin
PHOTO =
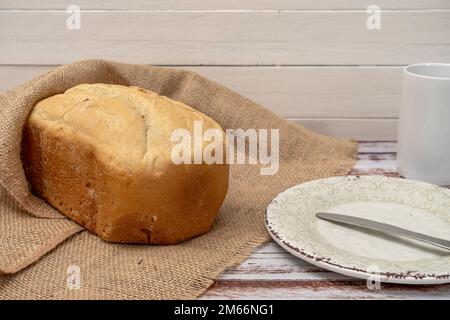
x=225, y=4
x=313, y=62
x=211, y=37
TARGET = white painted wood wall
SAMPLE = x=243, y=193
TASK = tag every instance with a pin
x=312, y=61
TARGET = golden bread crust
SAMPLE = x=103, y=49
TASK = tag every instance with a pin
x=101, y=154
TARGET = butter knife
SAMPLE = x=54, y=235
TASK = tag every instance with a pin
x=383, y=227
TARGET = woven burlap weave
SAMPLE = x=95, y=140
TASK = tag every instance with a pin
x=37, y=244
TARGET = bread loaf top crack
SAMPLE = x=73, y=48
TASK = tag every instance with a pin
x=130, y=126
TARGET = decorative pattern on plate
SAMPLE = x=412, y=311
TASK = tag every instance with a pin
x=421, y=207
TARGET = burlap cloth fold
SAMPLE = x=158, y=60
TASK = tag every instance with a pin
x=37, y=244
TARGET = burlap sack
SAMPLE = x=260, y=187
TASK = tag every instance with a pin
x=37, y=244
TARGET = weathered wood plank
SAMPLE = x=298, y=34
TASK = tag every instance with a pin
x=332, y=92
x=278, y=265
x=379, y=147
x=381, y=160
x=381, y=166
x=375, y=172
x=226, y=37
x=359, y=129
x=320, y=289
x=224, y=4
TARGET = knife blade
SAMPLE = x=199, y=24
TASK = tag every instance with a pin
x=383, y=227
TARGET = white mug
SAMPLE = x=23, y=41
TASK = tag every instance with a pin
x=424, y=126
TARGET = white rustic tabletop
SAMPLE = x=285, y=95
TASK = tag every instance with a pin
x=272, y=273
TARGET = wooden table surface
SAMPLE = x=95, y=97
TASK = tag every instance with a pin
x=272, y=273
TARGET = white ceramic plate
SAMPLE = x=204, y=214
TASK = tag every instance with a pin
x=421, y=207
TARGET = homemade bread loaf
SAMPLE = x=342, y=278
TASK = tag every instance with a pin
x=101, y=155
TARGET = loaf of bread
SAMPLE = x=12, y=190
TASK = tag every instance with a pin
x=101, y=155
